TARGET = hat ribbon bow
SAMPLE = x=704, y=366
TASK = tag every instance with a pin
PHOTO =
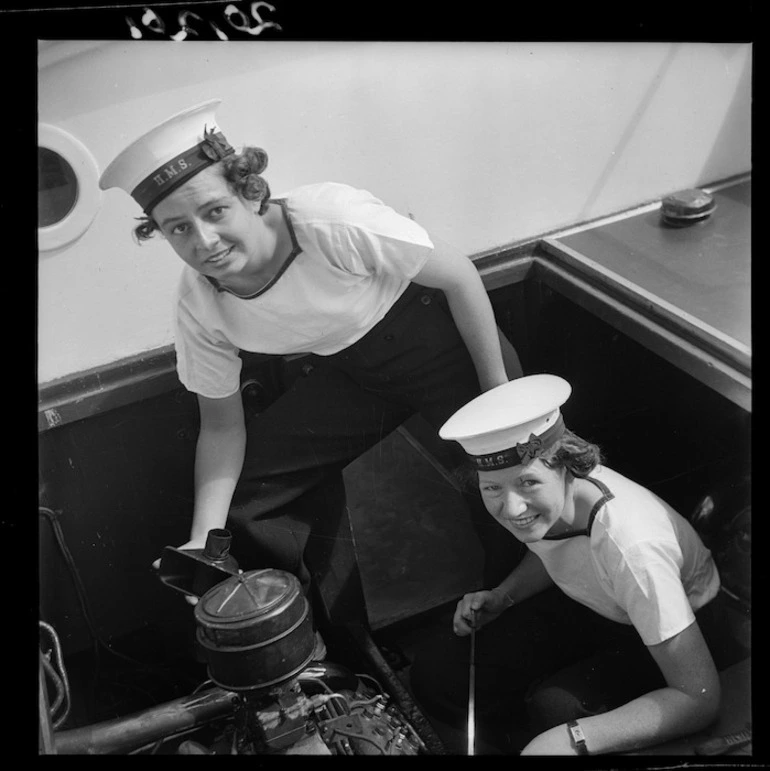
x=530, y=449
x=213, y=146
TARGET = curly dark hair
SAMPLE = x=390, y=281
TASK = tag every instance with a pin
x=242, y=174
x=570, y=451
x=578, y=456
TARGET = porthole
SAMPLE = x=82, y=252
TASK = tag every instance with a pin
x=57, y=188
x=68, y=191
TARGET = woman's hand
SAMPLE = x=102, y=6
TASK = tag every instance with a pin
x=195, y=543
x=219, y=457
x=477, y=609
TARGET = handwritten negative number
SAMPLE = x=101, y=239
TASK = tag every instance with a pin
x=234, y=16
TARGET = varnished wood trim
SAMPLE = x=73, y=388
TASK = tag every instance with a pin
x=104, y=388
x=680, y=351
x=506, y=267
x=732, y=351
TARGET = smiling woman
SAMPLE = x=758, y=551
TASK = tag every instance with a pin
x=529, y=503
x=606, y=557
x=223, y=235
x=394, y=327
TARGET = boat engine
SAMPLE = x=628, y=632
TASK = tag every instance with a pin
x=256, y=635
x=266, y=694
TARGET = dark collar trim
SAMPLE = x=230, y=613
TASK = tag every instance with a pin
x=606, y=496
x=295, y=250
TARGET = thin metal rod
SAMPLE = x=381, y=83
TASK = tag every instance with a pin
x=472, y=690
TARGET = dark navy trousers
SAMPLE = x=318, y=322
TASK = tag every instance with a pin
x=412, y=361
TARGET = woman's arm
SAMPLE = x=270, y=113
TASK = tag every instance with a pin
x=688, y=704
x=480, y=608
x=471, y=309
x=529, y=577
x=218, y=462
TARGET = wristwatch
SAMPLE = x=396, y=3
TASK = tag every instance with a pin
x=577, y=738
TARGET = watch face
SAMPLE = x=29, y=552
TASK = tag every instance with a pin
x=578, y=738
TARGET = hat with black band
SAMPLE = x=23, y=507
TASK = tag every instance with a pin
x=511, y=424
x=168, y=155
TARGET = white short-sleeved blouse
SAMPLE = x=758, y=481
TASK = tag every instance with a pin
x=353, y=257
x=639, y=563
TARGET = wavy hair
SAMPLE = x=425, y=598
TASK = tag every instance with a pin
x=578, y=456
x=241, y=172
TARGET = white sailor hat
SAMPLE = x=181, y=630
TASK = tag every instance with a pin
x=510, y=424
x=165, y=157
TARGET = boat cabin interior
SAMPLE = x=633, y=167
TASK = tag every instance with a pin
x=649, y=322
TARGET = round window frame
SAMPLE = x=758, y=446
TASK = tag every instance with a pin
x=89, y=195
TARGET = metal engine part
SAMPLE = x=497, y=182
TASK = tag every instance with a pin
x=325, y=710
x=257, y=636
x=255, y=630
x=308, y=717
x=267, y=697
x=370, y=727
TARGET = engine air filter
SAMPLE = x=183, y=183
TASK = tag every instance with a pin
x=255, y=630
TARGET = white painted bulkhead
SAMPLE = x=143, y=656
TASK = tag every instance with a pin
x=485, y=144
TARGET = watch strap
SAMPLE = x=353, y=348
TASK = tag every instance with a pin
x=577, y=737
